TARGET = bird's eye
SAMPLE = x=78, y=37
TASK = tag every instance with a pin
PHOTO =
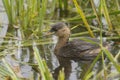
x=53, y=30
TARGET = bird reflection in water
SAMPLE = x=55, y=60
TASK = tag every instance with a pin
x=66, y=64
x=69, y=66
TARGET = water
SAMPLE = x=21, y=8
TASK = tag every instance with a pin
x=3, y=22
x=73, y=70
x=22, y=61
x=24, y=55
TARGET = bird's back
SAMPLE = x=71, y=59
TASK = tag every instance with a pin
x=81, y=49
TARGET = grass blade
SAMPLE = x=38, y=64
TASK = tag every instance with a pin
x=42, y=65
x=83, y=18
x=111, y=58
x=61, y=75
x=13, y=76
x=106, y=13
x=7, y=7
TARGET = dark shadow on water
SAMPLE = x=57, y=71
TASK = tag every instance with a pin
x=68, y=65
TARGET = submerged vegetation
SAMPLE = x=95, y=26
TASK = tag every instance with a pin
x=29, y=20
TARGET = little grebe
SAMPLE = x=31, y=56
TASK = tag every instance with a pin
x=76, y=48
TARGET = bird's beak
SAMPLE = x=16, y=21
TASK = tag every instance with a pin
x=49, y=33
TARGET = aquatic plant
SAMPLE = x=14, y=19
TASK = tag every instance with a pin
x=30, y=19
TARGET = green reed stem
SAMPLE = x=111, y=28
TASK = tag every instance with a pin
x=83, y=18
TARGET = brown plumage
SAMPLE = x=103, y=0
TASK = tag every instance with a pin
x=77, y=48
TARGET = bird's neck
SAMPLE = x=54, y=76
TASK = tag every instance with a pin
x=61, y=42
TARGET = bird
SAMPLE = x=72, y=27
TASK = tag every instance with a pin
x=76, y=48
